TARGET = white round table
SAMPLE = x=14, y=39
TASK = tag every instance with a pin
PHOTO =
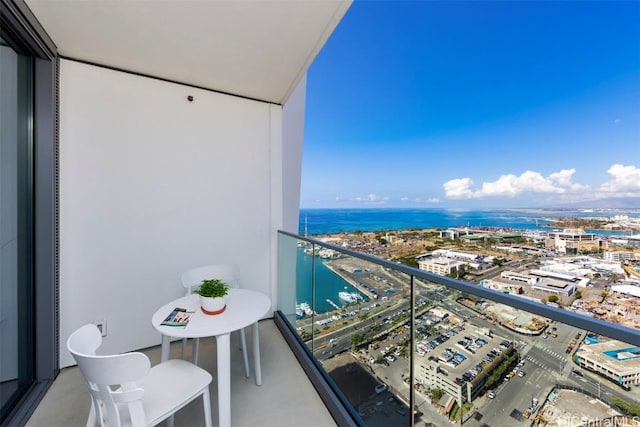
x=244, y=307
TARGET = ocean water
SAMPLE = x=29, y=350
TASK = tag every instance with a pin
x=329, y=221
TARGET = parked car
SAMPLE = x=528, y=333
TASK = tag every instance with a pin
x=380, y=388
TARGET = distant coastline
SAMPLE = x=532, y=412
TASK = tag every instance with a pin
x=332, y=221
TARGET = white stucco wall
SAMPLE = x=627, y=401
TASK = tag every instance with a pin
x=152, y=184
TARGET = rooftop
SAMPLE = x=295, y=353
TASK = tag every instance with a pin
x=615, y=355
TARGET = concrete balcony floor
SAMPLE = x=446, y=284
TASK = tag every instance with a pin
x=286, y=397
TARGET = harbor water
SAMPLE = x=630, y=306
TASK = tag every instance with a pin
x=328, y=284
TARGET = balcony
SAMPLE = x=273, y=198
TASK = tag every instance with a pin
x=378, y=338
x=285, y=395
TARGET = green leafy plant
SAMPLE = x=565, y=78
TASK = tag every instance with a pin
x=213, y=288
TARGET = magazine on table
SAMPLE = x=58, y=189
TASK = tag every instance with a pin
x=179, y=317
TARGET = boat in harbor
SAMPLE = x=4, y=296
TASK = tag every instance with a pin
x=303, y=309
x=324, y=253
x=350, y=297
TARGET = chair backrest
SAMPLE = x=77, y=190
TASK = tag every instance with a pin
x=111, y=405
x=228, y=273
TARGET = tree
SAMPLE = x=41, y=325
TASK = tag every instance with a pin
x=436, y=394
x=411, y=261
x=578, y=295
x=462, y=270
x=553, y=298
x=433, y=329
x=356, y=340
x=404, y=351
x=466, y=408
x=628, y=407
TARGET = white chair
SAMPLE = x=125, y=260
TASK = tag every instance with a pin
x=228, y=273
x=126, y=391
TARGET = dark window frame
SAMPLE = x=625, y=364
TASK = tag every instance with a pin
x=29, y=38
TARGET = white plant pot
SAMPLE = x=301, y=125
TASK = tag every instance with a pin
x=213, y=305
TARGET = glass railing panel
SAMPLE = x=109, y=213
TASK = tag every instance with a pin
x=354, y=317
x=291, y=276
x=461, y=353
x=372, y=358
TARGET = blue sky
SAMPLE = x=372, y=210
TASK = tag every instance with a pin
x=475, y=104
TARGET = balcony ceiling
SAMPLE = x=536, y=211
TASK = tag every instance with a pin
x=257, y=49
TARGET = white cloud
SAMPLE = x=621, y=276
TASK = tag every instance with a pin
x=458, y=188
x=419, y=200
x=625, y=181
x=563, y=179
x=371, y=198
x=511, y=185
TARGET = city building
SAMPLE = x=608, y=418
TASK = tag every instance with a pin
x=519, y=277
x=555, y=287
x=472, y=238
x=629, y=290
x=572, y=241
x=464, y=256
x=502, y=287
x=440, y=265
x=613, y=360
x=460, y=365
x=618, y=256
x=580, y=267
x=560, y=277
x=450, y=233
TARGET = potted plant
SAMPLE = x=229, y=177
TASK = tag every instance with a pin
x=212, y=296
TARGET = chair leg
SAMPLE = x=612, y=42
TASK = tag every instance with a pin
x=184, y=348
x=243, y=341
x=91, y=421
x=206, y=401
x=256, y=354
x=195, y=346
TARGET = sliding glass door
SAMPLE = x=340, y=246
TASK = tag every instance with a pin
x=16, y=225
